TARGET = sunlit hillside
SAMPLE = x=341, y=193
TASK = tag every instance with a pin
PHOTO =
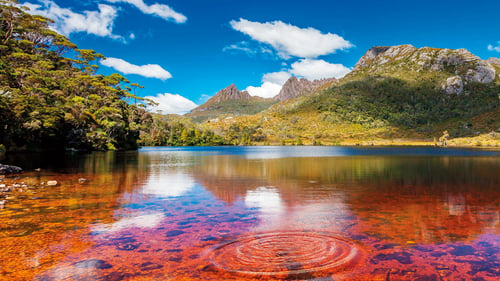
x=393, y=93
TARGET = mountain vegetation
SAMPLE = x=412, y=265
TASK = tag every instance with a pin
x=229, y=102
x=392, y=92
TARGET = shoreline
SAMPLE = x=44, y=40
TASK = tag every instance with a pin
x=474, y=143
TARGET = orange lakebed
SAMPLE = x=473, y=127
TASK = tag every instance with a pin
x=184, y=215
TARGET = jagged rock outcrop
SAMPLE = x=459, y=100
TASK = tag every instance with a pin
x=454, y=85
x=229, y=93
x=462, y=66
x=229, y=102
x=380, y=55
x=494, y=61
x=294, y=87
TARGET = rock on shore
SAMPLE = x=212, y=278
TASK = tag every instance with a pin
x=6, y=170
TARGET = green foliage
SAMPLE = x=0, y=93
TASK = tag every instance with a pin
x=171, y=130
x=373, y=101
x=49, y=101
x=231, y=107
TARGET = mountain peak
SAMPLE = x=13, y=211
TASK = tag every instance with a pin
x=383, y=54
x=229, y=101
x=295, y=87
x=229, y=93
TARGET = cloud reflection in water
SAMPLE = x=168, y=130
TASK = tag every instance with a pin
x=168, y=184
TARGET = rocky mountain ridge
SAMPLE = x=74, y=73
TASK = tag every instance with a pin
x=462, y=66
x=232, y=101
x=229, y=101
x=224, y=95
x=295, y=87
x=229, y=93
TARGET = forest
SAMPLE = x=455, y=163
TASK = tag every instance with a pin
x=52, y=96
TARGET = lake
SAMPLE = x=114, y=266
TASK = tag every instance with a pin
x=254, y=213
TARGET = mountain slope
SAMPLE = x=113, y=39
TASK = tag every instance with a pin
x=392, y=92
x=229, y=102
x=409, y=87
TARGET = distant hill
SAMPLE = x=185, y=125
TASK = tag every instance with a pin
x=229, y=102
x=392, y=92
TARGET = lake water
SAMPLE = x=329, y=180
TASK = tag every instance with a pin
x=254, y=213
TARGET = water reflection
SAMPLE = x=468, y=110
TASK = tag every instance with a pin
x=267, y=201
x=168, y=184
x=140, y=221
x=155, y=214
x=404, y=199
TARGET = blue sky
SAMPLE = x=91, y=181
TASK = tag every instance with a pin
x=184, y=51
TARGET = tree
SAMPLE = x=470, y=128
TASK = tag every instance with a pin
x=52, y=101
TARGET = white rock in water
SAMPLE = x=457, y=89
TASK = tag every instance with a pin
x=52, y=183
x=454, y=85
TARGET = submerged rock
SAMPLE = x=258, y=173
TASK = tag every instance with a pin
x=92, y=263
x=52, y=183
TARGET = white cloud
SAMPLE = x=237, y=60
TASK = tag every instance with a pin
x=203, y=98
x=242, y=46
x=160, y=10
x=171, y=104
x=266, y=90
x=246, y=48
x=318, y=69
x=493, y=48
x=310, y=69
x=66, y=21
x=276, y=77
x=289, y=40
x=271, y=84
x=148, y=70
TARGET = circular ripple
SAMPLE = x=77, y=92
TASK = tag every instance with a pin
x=284, y=254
